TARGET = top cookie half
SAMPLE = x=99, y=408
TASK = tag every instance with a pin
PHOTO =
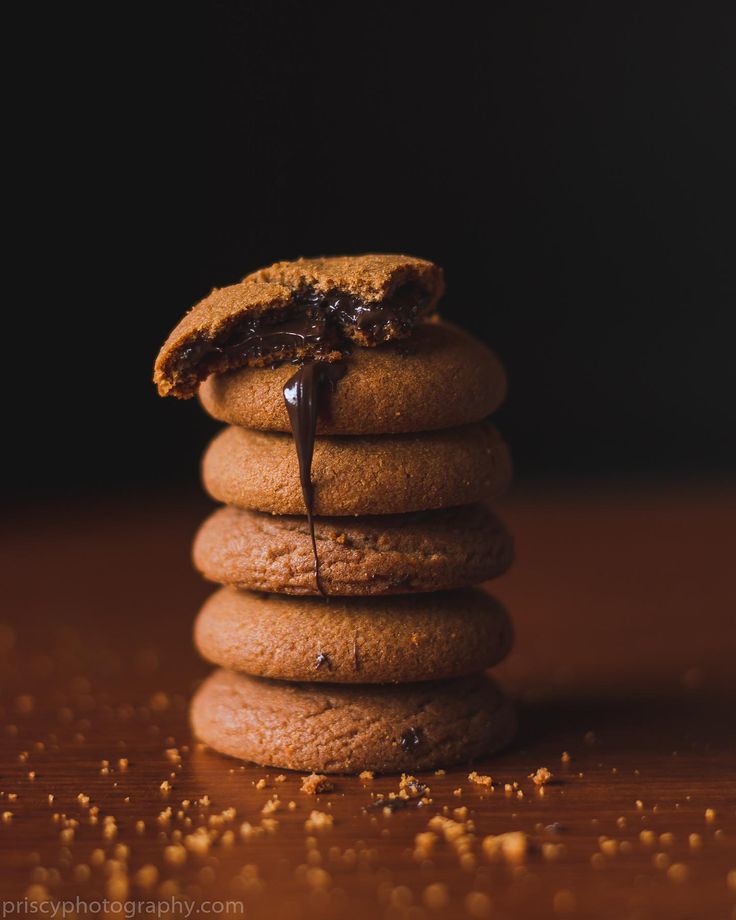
x=310, y=308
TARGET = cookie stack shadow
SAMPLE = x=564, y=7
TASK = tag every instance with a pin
x=386, y=672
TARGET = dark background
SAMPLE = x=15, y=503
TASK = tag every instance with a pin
x=570, y=165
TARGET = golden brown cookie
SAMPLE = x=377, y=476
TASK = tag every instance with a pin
x=303, y=309
x=359, y=640
x=390, y=389
x=333, y=728
x=390, y=474
x=389, y=554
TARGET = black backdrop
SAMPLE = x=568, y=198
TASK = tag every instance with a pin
x=570, y=165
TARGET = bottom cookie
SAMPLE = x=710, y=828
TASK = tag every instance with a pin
x=347, y=729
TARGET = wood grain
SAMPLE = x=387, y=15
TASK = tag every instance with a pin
x=625, y=613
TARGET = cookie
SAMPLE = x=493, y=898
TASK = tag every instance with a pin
x=390, y=554
x=389, y=474
x=333, y=728
x=304, y=309
x=389, y=389
x=359, y=640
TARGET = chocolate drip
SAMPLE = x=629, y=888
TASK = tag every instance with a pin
x=304, y=396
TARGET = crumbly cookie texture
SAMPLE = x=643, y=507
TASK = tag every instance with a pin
x=333, y=728
x=364, y=556
x=382, y=474
x=389, y=389
x=298, y=310
x=358, y=640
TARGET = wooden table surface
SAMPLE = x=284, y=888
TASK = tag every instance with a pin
x=624, y=603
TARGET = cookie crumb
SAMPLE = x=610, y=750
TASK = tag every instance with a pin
x=511, y=846
x=678, y=872
x=366, y=775
x=316, y=783
x=541, y=776
x=436, y=896
x=271, y=806
x=318, y=820
x=480, y=779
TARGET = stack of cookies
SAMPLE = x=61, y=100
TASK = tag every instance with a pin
x=355, y=472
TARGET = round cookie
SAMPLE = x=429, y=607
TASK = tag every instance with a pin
x=389, y=389
x=389, y=474
x=333, y=728
x=360, y=640
x=391, y=554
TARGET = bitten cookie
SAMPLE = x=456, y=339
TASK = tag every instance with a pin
x=390, y=474
x=390, y=389
x=361, y=640
x=332, y=728
x=304, y=309
x=391, y=554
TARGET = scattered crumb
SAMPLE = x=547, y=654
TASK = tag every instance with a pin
x=710, y=815
x=316, y=783
x=261, y=784
x=366, y=775
x=553, y=851
x=175, y=855
x=247, y=830
x=479, y=779
x=436, y=896
x=424, y=843
x=678, y=872
x=512, y=846
x=608, y=846
x=271, y=806
x=146, y=877
x=318, y=820
x=541, y=776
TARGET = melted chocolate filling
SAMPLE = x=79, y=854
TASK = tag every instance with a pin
x=320, y=323
x=303, y=394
